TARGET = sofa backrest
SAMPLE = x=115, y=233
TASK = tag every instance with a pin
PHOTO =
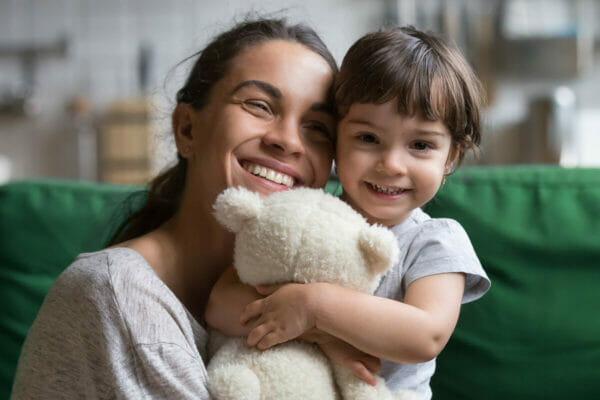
x=44, y=224
x=536, y=229
x=536, y=333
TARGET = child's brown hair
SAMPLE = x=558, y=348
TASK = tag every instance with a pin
x=426, y=75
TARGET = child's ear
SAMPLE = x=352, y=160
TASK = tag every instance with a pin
x=181, y=121
x=452, y=159
x=235, y=206
x=379, y=247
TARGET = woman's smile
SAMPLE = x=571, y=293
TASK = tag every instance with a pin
x=273, y=175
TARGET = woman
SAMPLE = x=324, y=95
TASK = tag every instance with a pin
x=126, y=322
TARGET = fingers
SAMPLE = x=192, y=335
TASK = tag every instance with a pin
x=361, y=372
x=269, y=340
x=262, y=337
x=373, y=364
x=256, y=335
x=251, y=311
x=267, y=290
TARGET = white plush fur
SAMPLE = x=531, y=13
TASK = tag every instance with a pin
x=301, y=235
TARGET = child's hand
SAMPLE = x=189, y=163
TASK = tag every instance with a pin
x=361, y=364
x=281, y=316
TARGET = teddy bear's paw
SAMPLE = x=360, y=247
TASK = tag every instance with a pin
x=407, y=395
x=233, y=382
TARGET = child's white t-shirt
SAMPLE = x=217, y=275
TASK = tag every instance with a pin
x=428, y=246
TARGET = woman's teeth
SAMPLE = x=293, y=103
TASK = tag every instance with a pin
x=269, y=174
x=386, y=190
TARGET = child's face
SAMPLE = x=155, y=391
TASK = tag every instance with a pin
x=388, y=163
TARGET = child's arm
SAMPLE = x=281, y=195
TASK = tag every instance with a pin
x=227, y=301
x=412, y=331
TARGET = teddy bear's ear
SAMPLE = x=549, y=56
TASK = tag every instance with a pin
x=379, y=247
x=236, y=205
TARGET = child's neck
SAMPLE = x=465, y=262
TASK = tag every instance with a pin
x=369, y=217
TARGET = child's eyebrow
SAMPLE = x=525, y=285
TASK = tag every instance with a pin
x=362, y=122
x=262, y=85
x=427, y=132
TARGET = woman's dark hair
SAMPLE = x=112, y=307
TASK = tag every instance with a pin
x=426, y=75
x=213, y=63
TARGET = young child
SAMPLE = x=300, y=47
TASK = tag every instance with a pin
x=409, y=106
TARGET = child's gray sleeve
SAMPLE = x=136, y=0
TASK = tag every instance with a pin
x=443, y=246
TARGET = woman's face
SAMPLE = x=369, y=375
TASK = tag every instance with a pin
x=267, y=125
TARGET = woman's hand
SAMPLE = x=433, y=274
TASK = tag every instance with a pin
x=283, y=315
x=361, y=364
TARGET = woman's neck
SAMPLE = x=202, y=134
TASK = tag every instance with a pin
x=189, y=255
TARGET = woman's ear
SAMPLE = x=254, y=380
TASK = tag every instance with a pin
x=181, y=120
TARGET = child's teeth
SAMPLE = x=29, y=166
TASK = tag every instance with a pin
x=386, y=190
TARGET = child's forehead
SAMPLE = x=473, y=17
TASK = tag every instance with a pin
x=374, y=111
x=388, y=116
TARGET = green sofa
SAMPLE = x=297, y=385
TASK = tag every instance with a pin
x=536, y=229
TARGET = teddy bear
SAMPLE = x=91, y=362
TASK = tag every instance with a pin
x=302, y=235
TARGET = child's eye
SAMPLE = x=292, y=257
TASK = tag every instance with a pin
x=421, y=146
x=367, y=138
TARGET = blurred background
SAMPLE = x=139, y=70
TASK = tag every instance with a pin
x=87, y=86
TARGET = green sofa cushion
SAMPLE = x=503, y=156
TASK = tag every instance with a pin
x=536, y=333
x=44, y=224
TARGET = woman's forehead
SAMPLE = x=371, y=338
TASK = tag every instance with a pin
x=282, y=64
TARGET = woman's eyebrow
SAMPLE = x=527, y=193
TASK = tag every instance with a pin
x=326, y=108
x=264, y=86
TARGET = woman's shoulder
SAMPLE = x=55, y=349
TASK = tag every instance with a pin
x=119, y=284
x=99, y=269
x=120, y=275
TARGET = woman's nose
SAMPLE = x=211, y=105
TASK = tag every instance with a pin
x=285, y=137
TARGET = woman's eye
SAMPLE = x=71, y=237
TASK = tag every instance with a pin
x=257, y=106
x=367, y=138
x=319, y=127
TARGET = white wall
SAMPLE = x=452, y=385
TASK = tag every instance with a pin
x=104, y=38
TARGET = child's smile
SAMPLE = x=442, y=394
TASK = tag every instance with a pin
x=386, y=191
x=388, y=163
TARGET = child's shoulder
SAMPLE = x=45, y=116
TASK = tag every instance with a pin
x=420, y=224
x=419, y=219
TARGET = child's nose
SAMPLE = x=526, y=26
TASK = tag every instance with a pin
x=392, y=163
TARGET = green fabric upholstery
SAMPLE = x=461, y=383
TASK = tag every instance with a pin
x=44, y=224
x=535, y=335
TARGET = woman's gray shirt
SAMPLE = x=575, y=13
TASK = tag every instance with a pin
x=110, y=328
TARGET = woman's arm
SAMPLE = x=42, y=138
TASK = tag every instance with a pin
x=227, y=301
x=412, y=331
